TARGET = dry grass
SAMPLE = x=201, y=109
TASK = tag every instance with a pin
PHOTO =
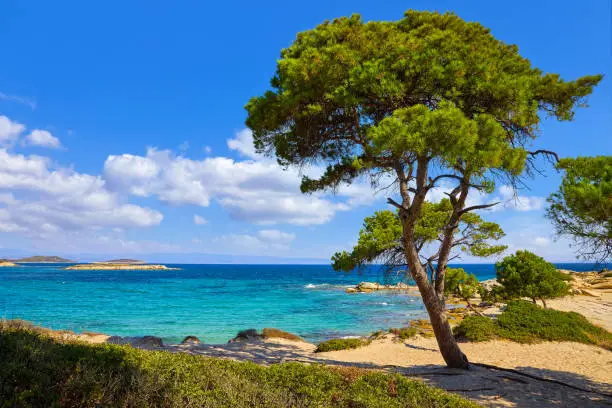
x=277, y=333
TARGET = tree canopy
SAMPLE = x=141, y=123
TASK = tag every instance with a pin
x=582, y=207
x=525, y=274
x=381, y=240
x=429, y=101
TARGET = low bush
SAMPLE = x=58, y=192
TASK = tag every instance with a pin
x=341, y=344
x=404, y=333
x=476, y=328
x=271, y=333
x=37, y=371
x=525, y=322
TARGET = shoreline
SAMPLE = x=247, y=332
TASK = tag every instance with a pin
x=534, y=375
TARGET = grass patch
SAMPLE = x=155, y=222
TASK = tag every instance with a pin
x=38, y=371
x=526, y=322
x=341, y=344
x=276, y=333
x=404, y=333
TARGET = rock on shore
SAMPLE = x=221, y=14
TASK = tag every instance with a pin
x=6, y=263
x=366, y=287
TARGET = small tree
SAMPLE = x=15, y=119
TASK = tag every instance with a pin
x=582, y=207
x=428, y=99
x=381, y=240
x=462, y=285
x=525, y=274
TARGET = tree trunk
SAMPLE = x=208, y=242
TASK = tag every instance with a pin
x=436, y=310
x=544, y=303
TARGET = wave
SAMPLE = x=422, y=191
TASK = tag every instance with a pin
x=326, y=285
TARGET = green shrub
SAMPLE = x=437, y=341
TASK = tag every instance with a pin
x=37, y=371
x=404, y=333
x=525, y=274
x=476, y=328
x=525, y=322
x=341, y=344
x=461, y=284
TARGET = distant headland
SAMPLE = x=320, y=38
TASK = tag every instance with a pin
x=128, y=266
x=7, y=262
x=43, y=259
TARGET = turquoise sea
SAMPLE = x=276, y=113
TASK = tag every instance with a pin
x=212, y=302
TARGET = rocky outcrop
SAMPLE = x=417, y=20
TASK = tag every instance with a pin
x=190, y=340
x=366, y=287
x=6, y=263
x=145, y=342
x=589, y=283
x=247, y=335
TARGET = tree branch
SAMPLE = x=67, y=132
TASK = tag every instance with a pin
x=550, y=155
x=395, y=204
x=476, y=207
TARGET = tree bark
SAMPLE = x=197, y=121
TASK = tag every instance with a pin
x=436, y=309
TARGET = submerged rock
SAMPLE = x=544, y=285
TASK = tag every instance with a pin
x=190, y=340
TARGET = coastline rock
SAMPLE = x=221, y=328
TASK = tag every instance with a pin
x=247, y=335
x=190, y=340
x=366, y=287
x=489, y=283
x=139, y=342
x=7, y=263
x=590, y=293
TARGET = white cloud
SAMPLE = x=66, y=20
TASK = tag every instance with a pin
x=519, y=202
x=257, y=191
x=243, y=143
x=207, y=149
x=263, y=240
x=275, y=236
x=198, y=220
x=42, y=200
x=541, y=241
x=19, y=99
x=42, y=138
x=9, y=130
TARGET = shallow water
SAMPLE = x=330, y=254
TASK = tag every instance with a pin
x=212, y=302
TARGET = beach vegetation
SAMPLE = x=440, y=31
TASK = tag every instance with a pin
x=38, y=371
x=404, y=333
x=461, y=284
x=525, y=322
x=525, y=274
x=341, y=344
x=423, y=104
x=582, y=206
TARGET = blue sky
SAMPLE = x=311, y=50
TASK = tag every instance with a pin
x=120, y=122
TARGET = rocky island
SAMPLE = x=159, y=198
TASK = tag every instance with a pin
x=107, y=266
x=44, y=259
x=7, y=263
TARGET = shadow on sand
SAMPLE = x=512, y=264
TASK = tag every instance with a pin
x=490, y=386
